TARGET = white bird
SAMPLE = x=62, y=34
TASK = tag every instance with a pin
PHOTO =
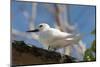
x=54, y=38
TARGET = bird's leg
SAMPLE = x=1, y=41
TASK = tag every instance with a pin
x=62, y=58
x=54, y=49
x=49, y=48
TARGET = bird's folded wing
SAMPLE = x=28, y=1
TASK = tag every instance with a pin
x=61, y=35
x=62, y=43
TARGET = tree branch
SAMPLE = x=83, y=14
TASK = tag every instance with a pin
x=22, y=54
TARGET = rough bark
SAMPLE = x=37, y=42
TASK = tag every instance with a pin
x=22, y=54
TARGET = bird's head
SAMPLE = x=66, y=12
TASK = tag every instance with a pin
x=41, y=27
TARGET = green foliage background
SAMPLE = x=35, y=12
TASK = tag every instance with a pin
x=90, y=53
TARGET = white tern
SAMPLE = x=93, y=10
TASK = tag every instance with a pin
x=54, y=38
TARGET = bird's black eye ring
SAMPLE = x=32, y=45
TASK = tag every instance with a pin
x=41, y=26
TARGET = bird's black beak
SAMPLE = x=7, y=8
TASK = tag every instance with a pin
x=36, y=30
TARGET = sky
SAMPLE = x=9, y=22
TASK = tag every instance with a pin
x=83, y=16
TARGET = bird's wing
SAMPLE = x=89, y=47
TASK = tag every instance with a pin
x=57, y=34
x=63, y=37
x=61, y=43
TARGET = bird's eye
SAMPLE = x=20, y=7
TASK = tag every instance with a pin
x=41, y=26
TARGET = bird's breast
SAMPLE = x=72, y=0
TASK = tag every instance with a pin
x=45, y=38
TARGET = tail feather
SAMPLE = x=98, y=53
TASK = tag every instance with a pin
x=80, y=50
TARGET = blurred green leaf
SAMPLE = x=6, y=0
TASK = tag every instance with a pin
x=93, y=47
x=90, y=52
x=89, y=55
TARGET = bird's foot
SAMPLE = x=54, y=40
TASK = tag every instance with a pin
x=51, y=48
x=62, y=58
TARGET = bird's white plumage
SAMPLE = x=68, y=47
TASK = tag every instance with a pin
x=54, y=37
